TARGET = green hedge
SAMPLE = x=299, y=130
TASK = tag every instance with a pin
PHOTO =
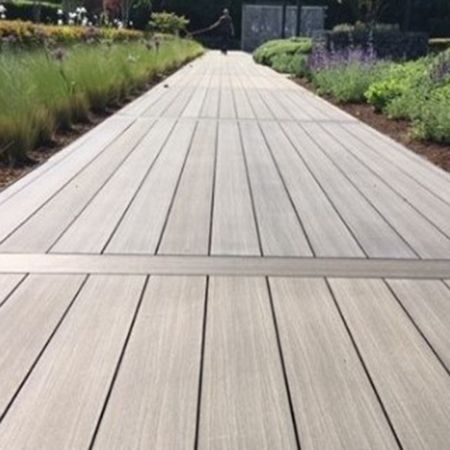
x=285, y=55
x=24, y=10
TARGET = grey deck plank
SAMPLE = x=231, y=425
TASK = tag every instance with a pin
x=13, y=263
x=90, y=232
x=436, y=210
x=187, y=230
x=173, y=92
x=370, y=229
x=430, y=176
x=36, y=235
x=335, y=405
x=234, y=229
x=428, y=303
x=328, y=234
x=140, y=229
x=243, y=107
x=244, y=403
x=422, y=236
x=61, y=402
x=412, y=384
x=280, y=229
x=27, y=320
x=154, y=399
x=28, y=198
x=7, y=285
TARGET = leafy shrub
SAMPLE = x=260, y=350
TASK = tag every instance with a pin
x=42, y=91
x=397, y=81
x=30, y=34
x=169, y=23
x=273, y=50
x=347, y=83
x=433, y=122
x=293, y=64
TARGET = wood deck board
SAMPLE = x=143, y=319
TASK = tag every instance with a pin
x=60, y=404
x=37, y=305
x=242, y=371
x=154, y=400
x=35, y=234
x=141, y=227
x=92, y=229
x=234, y=227
x=334, y=402
x=228, y=262
x=428, y=303
x=411, y=382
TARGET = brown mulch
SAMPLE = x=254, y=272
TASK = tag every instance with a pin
x=398, y=130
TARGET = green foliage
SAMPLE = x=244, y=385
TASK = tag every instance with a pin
x=169, y=23
x=28, y=34
x=293, y=64
x=433, y=121
x=397, y=81
x=285, y=55
x=41, y=91
x=348, y=83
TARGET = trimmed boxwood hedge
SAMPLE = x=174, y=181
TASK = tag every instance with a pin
x=388, y=44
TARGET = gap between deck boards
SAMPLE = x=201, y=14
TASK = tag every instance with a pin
x=224, y=265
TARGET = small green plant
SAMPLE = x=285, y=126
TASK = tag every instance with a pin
x=168, y=23
x=397, y=81
x=433, y=121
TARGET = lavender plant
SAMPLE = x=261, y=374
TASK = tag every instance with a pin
x=345, y=74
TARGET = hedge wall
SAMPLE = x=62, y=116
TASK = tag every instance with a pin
x=391, y=44
x=25, y=10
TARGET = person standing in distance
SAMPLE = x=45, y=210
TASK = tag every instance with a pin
x=225, y=28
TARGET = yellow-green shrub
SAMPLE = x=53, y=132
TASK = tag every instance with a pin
x=28, y=33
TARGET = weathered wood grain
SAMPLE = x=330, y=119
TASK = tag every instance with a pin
x=325, y=229
x=244, y=402
x=7, y=285
x=428, y=303
x=60, y=404
x=280, y=229
x=37, y=235
x=234, y=228
x=27, y=320
x=140, y=229
x=335, y=405
x=90, y=232
x=414, y=228
x=370, y=229
x=188, y=226
x=30, y=196
x=154, y=399
x=412, y=384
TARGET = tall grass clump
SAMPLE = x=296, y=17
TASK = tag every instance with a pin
x=42, y=90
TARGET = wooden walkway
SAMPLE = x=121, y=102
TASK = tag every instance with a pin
x=230, y=263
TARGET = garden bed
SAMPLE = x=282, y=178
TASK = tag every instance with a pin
x=399, y=130
x=44, y=91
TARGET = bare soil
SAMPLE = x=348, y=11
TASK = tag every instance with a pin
x=399, y=130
